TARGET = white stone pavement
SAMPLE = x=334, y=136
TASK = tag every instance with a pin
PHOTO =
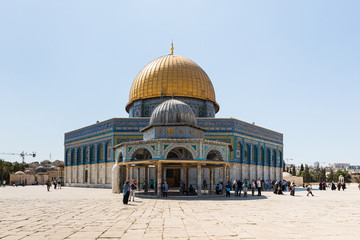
x=83, y=213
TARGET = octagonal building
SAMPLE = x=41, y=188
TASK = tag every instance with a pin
x=171, y=135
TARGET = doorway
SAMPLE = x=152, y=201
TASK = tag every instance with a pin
x=86, y=176
x=173, y=177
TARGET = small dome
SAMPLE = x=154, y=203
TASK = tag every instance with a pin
x=28, y=171
x=53, y=168
x=19, y=173
x=40, y=169
x=173, y=112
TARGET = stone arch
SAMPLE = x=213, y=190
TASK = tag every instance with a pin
x=130, y=154
x=247, y=154
x=172, y=146
x=121, y=157
x=180, y=153
x=214, y=155
x=140, y=154
x=254, y=155
x=100, y=153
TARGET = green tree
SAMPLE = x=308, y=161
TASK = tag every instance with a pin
x=322, y=175
x=330, y=177
x=344, y=173
x=293, y=171
x=317, y=174
x=301, y=167
x=307, y=175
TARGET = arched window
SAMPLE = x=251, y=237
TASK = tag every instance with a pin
x=92, y=154
x=108, y=151
x=238, y=152
x=86, y=155
x=72, y=157
x=78, y=156
x=247, y=154
x=100, y=153
x=68, y=157
x=262, y=156
x=280, y=164
x=273, y=159
x=141, y=154
x=180, y=153
x=268, y=156
x=214, y=155
x=255, y=155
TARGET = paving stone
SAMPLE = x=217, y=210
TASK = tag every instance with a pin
x=83, y=213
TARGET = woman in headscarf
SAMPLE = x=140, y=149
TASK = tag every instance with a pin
x=126, y=192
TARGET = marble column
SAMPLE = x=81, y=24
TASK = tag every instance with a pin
x=199, y=179
x=115, y=178
x=146, y=170
x=211, y=176
x=159, y=179
x=138, y=178
x=224, y=178
x=127, y=173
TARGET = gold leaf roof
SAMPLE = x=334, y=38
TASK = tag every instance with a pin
x=172, y=75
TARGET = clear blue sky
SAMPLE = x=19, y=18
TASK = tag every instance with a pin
x=290, y=66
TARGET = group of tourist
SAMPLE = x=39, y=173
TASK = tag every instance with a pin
x=56, y=183
x=129, y=191
x=239, y=186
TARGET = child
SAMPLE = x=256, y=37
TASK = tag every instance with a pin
x=309, y=190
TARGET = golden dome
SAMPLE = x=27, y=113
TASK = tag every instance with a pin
x=172, y=75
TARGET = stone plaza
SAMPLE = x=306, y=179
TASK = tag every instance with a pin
x=86, y=213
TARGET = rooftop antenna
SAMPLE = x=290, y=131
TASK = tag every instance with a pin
x=172, y=48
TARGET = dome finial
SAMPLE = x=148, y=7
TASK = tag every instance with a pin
x=172, y=48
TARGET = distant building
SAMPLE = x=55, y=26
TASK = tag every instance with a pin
x=38, y=174
x=339, y=165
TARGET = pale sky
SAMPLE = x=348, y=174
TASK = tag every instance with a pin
x=289, y=66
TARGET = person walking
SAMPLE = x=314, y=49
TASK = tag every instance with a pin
x=132, y=190
x=259, y=186
x=239, y=184
x=292, y=189
x=309, y=188
x=59, y=184
x=245, y=188
x=166, y=189
x=48, y=185
x=228, y=188
x=126, y=192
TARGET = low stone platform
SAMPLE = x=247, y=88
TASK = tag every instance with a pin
x=82, y=213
